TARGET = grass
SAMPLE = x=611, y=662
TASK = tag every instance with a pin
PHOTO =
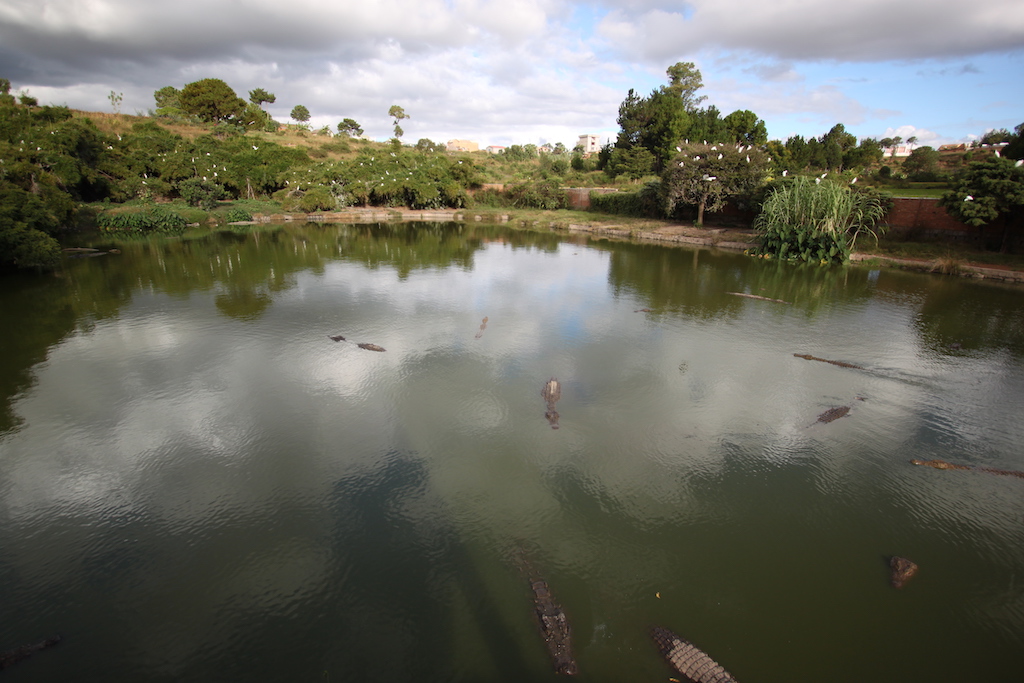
x=941, y=253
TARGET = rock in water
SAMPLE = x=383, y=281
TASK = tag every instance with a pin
x=902, y=570
x=688, y=660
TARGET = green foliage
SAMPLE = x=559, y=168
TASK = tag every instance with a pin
x=706, y=176
x=300, y=113
x=350, y=127
x=818, y=221
x=237, y=215
x=745, y=128
x=537, y=195
x=922, y=165
x=211, y=100
x=634, y=163
x=398, y=114
x=148, y=220
x=258, y=96
x=200, y=192
x=647, y=202
x=987, y=192
x=25, y=220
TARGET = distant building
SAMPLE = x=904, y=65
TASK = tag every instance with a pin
x=897, y=151
x=589, y=144
x=462, y=146
x=495, y=149
x=546, y=148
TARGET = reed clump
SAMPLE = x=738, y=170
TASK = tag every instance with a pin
x=816, y=220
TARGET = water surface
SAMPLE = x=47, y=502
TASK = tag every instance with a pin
x=197, y=483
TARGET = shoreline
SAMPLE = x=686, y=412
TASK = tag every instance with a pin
x=732, y=239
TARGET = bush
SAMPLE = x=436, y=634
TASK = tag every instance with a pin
x=647, y=202
x=235, y=215
x=153, y=219
x=542, y=195
x=201, y=193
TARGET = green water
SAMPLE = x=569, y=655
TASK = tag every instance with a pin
x=198, y=484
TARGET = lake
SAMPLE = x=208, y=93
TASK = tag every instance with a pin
x=198, y=483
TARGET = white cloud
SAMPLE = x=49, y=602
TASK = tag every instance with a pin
x=860, y=30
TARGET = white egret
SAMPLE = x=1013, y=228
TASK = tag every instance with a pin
x=968, y=198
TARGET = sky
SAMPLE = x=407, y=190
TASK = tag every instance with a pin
x=503, y=72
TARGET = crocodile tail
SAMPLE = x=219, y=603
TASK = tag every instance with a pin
x=689, y=660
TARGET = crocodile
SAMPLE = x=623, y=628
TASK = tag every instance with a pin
x=18, y=654
x=551, y=392
x=554, y=627
x=688, y=660
x=483, y=326
x=550, y=618
x=371, y=347
x=807, y=356
x=902, y=570
x=943, y=465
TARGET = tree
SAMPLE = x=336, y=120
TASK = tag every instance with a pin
x=989, y=192
x=168, y=101
x=896, y=141
x=1015, y=148
x=350, y=128
x=259, y=96
x=746, y=128
x=707, y=176
x=684, y=80
x=996, y=136
x=398, y=114
x=6, y=98
x=922, y=164
x=115, y=100
x=300, y=113
x=211, y=100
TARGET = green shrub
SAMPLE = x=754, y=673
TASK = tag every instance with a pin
x=235, y=215
x=202, y=193
x=647, y=202
x=153, y=219
x=540, y=195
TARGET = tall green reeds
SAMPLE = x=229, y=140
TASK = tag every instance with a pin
x=810, y=219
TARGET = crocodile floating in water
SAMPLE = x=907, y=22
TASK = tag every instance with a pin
x=16, y=655
x=688, y=660
x=483, y=326
x=759, y=298
x=551, y=620
x=807, y=356
x=943, y=465
x=833, y=414
x=371, y=347
x=551, y=392
x=902, y=570
x=336, y=337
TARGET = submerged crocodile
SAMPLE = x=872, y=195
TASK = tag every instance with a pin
x=483, y=326
x=18, y=654
x=371, y=347
x=943, y=465
x=902, y=570
x=551, y=392
x=688, y=660
x=551, y=620
x=807, y=356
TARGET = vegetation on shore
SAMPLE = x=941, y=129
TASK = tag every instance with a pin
x=207, y=154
